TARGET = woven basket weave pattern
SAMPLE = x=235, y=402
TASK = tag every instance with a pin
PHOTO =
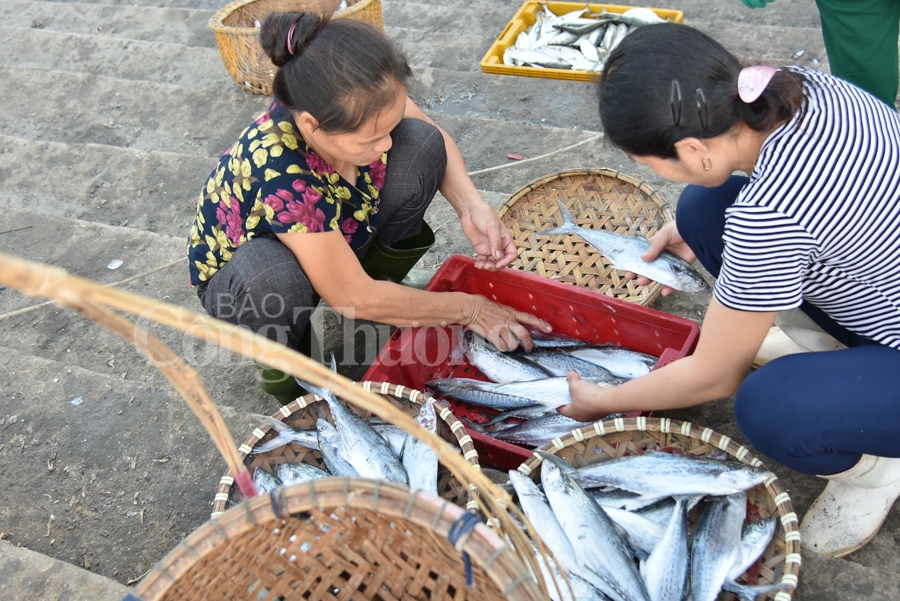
x=237, y=35
x=344, y=539
x=299, y=416
x=598, y=199
x=628, y=436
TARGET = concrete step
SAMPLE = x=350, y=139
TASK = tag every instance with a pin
x=144, y=23
x=101, y=473
x=117, y=58
x=211, y=5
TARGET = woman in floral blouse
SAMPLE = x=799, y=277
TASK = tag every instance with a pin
x=341, y=156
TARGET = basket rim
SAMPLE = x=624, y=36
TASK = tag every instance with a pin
x=532, y=186
x=434, y=513
x=217, y=21
x=384, y=388
x=776, y=491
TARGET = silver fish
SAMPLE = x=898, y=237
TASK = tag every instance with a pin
x=716, y=546
x=666, y=570
x=661, y=511
x=667, y=474
x=497, y=366
x=529, y=412
x=608, y=36
x=638, y=17
x=624, y=253
x=629, y=501
x=419, y=459
x=330, y=447
x=538, y=511
x=599, y=548
x=535, y=57
x=618, y=361
x=394, y=435
x=597, y=35
x=369, y=454
x=563, y=38
x=754, y=540
x=582, y=589
x=580, y=26
x=540, y=431
x=522, y=41
x=641, y=534
x=621, y=32
x=297, y=473
x=558, y=363
x=746, y=592
x=264, y=481
x=542, y=340
x=286, y=435
x=551, y=392
x=589, y=50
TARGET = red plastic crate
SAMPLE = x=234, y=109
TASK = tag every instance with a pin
x=414, y=356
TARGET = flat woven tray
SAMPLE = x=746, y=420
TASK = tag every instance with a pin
x=299, y=416
x=597, y=198
x=610, y=439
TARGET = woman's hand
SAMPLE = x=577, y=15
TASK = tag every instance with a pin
x=666, y=238
x=587, y=400
x=494, y=247
x=502, y=325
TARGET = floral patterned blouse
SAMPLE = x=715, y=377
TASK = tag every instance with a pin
x=272, y=181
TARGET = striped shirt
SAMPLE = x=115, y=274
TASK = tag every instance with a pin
x=820, y=218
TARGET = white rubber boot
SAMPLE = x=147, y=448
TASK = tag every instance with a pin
x=794, y=332
x=852, y=508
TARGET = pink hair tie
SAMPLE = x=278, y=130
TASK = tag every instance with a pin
x=752, y=82
x=290, y=39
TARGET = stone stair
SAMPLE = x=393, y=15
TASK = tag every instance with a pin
x=111, y=115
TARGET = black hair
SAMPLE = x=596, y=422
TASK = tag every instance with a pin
x=340, y=71
x=667, y=82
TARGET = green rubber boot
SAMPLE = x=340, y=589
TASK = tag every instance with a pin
x=393, y=263
x=283, y=386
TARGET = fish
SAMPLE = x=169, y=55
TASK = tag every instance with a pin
x=538, y=432
x=330, y=447
x=599, y=548
x=527, y=412
x=369, y=454
x=624, y=253
x=498, y=366
x=608, y=36
x=534, y=57
x=589, y=50
x=580, y=26
x=716, y=545
x=542, y=340
x=286, y=435
x=629, y=501
x=668, y=474
x=264, y=481
x=297, y=473
x=559, y=363
x=619, y=362
x=641, y=534
x=551, y=392
x=621, y=31
x=394, y=435
x=666, y=571
x=754, y=540
x=419, y=459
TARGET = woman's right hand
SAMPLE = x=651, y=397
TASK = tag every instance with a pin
x=666, y=238
x=502, y=325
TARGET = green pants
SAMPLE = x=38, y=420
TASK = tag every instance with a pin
x=861, y=41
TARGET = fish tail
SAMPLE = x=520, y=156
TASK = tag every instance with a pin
x=746, y=592
x=568, y=226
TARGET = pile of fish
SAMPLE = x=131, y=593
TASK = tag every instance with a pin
x=531, y=385
x=624, y=253
x=580, y=40
x=620, y=528
x=353, y=447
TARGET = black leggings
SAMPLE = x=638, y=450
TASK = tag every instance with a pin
x=813, y=412
x=263, y=287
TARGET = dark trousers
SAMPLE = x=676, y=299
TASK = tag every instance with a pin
x=263, y=287
x=813, y=412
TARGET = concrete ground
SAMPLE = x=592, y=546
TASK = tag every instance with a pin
x=113, y=112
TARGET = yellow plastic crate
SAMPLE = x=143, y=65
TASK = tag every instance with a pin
x=525, y=18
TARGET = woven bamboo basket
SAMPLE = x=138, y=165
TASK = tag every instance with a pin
x=598, y=199
x=627, y=436
x=300, y=416
x=338, y=538
x=241, y=544
x=237, y=34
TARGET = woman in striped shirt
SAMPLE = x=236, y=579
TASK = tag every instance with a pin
x=813, y=231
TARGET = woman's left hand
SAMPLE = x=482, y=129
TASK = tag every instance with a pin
x=491, y=240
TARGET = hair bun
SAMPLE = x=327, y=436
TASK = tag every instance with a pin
x=275, y=30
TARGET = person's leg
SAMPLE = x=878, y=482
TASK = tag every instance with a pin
x=264, y=289
x=861, y=41
x=417, y=162
x=817, y=413
x=700, y=216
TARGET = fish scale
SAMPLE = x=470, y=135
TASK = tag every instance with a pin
x=716, y=546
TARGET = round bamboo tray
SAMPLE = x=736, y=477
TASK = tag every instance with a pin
x=598, y=199
x=340, y=538
x=628, y=436
x=236, y=28
x=299, y=416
